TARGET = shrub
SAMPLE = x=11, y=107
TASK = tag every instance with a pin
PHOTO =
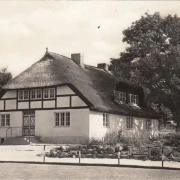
x=113, y=138
x=99, y=148
x=176, y=154
x=171, y=139
x=94, y=141
x=62, y=155
x=111, y=150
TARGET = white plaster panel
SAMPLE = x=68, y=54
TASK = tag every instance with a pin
x=1, y=105
x=118, y=122
x=36, y=104
x=10, y=104
x=23, y=105
x=49, y=104
x=76, y=101
x=63, y=90
x=15, y=122
x=63, y=101
x=10, y=94
x=96, y=129
x=79, y=123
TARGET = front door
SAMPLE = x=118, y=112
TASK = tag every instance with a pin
x=29, y=123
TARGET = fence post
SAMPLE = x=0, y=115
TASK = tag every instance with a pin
x=130, y=151
x=119, y=155
x=44, y=153
x=162, y=157
x=80, y=154
x=149, y=152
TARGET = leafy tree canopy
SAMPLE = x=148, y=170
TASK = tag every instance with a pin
x=5, y=76
x=152, y=59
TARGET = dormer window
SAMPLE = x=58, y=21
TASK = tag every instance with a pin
x=120, y=97
x=133, y=99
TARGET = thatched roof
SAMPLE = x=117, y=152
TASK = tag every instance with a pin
x=95, y=85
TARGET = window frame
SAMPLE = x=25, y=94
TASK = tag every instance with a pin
x=47, y=93
x=6, y=119
x=35, y=94
x=120, y=96
x=105, y=120
x=148, y=124
x=129, y=123
x=133, y=99
x=62, y=119
x=21, y=95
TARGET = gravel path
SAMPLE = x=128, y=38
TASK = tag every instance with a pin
x=34, y=153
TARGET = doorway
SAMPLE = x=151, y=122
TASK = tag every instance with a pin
x=29, y=123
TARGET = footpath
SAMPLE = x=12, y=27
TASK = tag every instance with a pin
x=34, y=154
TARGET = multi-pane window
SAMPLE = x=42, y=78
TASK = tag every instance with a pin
x=49, y=93
x=62, y=119
x=36, y=94
x=133, y=99
x=23, y=94
x=106, y=120
x=5, y=120
x=129, y=122
x=148, y=124
x=120, y=96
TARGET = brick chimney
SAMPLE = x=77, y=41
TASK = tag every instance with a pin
x=78, y=59
x=103, y=66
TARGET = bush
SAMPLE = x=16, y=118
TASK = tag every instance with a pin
x=171, y=139
x=176, y=149
x=94, y=141
x=111, y=150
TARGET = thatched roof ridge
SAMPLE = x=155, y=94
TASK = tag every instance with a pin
x=95, y=85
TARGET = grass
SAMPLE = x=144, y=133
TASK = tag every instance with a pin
x=39, y=172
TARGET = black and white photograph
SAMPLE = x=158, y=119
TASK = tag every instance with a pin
x=90, y=90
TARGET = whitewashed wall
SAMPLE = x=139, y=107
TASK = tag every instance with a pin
x=77, y=132
x=15, y=122
x=10, y=94
x=118, y=122
x=64, y=90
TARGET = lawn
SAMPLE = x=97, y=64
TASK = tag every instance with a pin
x=39, y=172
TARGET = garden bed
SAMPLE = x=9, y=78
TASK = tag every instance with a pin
x=86, y=151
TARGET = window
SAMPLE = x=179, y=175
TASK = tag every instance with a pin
x=5, y=120
x=129, y=122
x=106, y=120
x=148, y=124
x=23, y=95
x=49, y=93
x=62, y=119
x=36, y=94
x=133, y=99
x=120, y=96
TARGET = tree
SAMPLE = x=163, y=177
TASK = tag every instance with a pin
x=152, y=59
x=5, y=76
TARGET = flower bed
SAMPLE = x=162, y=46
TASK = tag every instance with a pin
x=87, y=151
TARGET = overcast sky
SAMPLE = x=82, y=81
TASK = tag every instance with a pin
x=92, y=28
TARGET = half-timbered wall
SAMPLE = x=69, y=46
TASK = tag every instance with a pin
x=65, y=97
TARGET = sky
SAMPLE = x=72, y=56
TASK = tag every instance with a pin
x=93, y=28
